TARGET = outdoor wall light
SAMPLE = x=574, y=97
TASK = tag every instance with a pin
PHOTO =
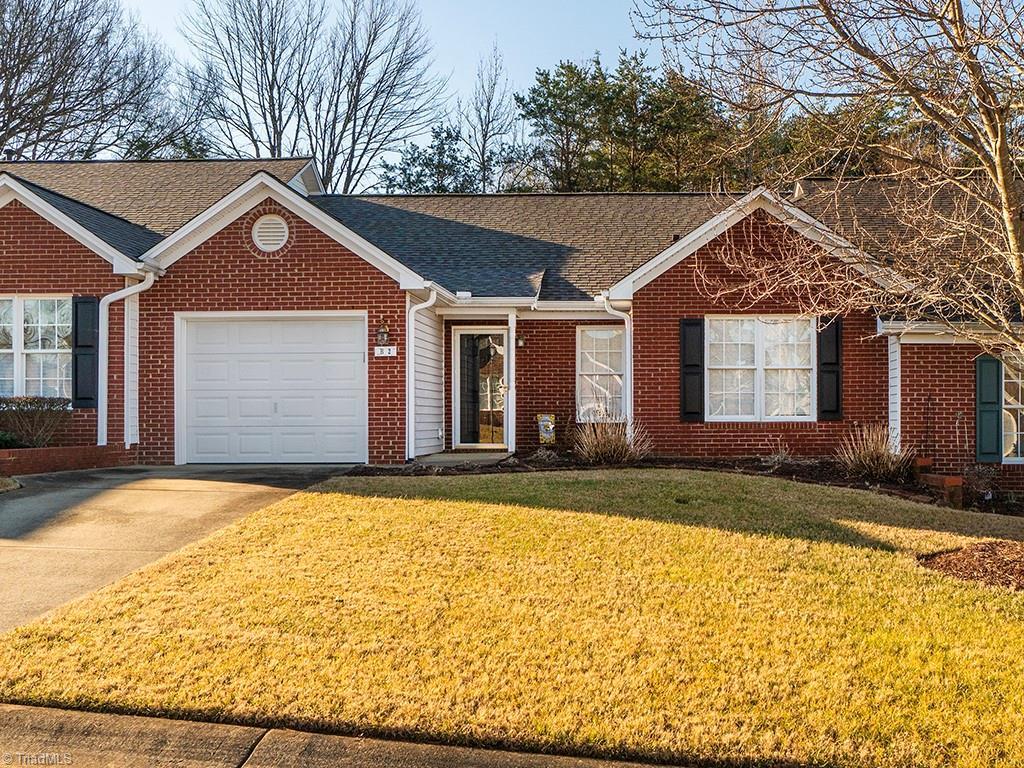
x=383, y=335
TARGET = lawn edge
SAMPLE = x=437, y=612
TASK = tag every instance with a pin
x=415, y=736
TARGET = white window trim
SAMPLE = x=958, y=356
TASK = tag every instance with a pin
x=759, y=369
x=1002, y=412
x=18, y=330
x=580, y=330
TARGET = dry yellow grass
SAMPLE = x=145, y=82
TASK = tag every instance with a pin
x=8, y=484
x=663, y=614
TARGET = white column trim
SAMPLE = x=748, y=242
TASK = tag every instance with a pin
x=895, y=391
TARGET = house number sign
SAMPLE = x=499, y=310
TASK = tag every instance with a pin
x=385, y=351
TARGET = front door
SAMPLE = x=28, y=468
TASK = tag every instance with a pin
x=480, y=388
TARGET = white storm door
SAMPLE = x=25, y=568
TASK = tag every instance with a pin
x=275, y=389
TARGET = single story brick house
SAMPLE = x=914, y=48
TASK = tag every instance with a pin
x=230, y=311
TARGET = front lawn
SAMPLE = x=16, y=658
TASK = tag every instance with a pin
x=664, y=614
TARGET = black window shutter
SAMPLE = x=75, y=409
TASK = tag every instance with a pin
x=988, y=404
x=830, y=370
x=691, y=370
x=85, y=334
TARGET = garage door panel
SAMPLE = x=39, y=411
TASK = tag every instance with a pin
x=276, y=390
x=210, y=408
x=343, y=409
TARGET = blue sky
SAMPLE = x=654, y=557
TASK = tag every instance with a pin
x=530, y=33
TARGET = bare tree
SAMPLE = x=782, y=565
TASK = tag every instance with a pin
x=345, y=82
x=75, y=76
x=936, y=230
x=258, y=56
x=372, y=90
x=488, y=117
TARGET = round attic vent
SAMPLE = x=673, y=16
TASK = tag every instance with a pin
x=270, y=232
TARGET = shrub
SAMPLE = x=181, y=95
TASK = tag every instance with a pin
x=608, y=442
x=34, y=420
x=10, y=440
x=866, y=452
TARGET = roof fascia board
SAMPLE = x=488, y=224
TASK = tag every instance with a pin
x=11, y=190
x=260, y=187
x=923, y=332
x=759, y=199
x=523, y=307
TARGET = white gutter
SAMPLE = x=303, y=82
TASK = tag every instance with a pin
x=410, y=372
x=627, y=348
x=104, y=344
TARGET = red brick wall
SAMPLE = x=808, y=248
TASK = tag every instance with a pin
x=657, y=309
x=937, y=402
x=313, y=272
x=32, y=461
x=937, y=416
x=38, y=258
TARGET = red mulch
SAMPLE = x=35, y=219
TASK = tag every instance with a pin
x=997, y=563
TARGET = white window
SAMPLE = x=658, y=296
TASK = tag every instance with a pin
x=599, y=370
x=1013, y=414
x=6, y=347
x=760, y=368
x=35, y=347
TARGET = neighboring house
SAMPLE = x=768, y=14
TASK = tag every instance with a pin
x=229, y=311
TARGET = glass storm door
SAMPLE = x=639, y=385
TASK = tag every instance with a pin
x=481, y=395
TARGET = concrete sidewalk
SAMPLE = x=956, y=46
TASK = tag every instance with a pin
x=41, y=736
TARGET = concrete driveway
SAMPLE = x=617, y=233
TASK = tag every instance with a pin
x=68, y=533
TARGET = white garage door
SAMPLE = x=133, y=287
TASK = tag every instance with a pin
x=275, y=390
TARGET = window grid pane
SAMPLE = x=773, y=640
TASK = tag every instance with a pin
x=6, y=374
x=1013, y=413
x=45, y=347
x=6, y=324
x=760, y=368
x=600, y=368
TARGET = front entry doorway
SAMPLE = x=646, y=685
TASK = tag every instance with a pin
x=480, y=370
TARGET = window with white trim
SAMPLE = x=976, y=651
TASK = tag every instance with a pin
x=759, y=368
x=35, y=347
x=1013, y=414
x=600, y=366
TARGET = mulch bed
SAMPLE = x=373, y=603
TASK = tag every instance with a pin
x=996, y=563
x=813, y=471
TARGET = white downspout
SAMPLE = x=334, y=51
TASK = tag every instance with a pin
x=410, y=373
x=627, y=369
x=510, y=385
x=104, y=344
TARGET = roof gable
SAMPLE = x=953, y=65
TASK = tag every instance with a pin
x=257, y=189
x=760, y=199
x=76, y=220
x=160, y=195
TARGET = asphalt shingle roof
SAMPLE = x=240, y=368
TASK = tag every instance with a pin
x=160, y=195
x=130, y=239
x=560, y=247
